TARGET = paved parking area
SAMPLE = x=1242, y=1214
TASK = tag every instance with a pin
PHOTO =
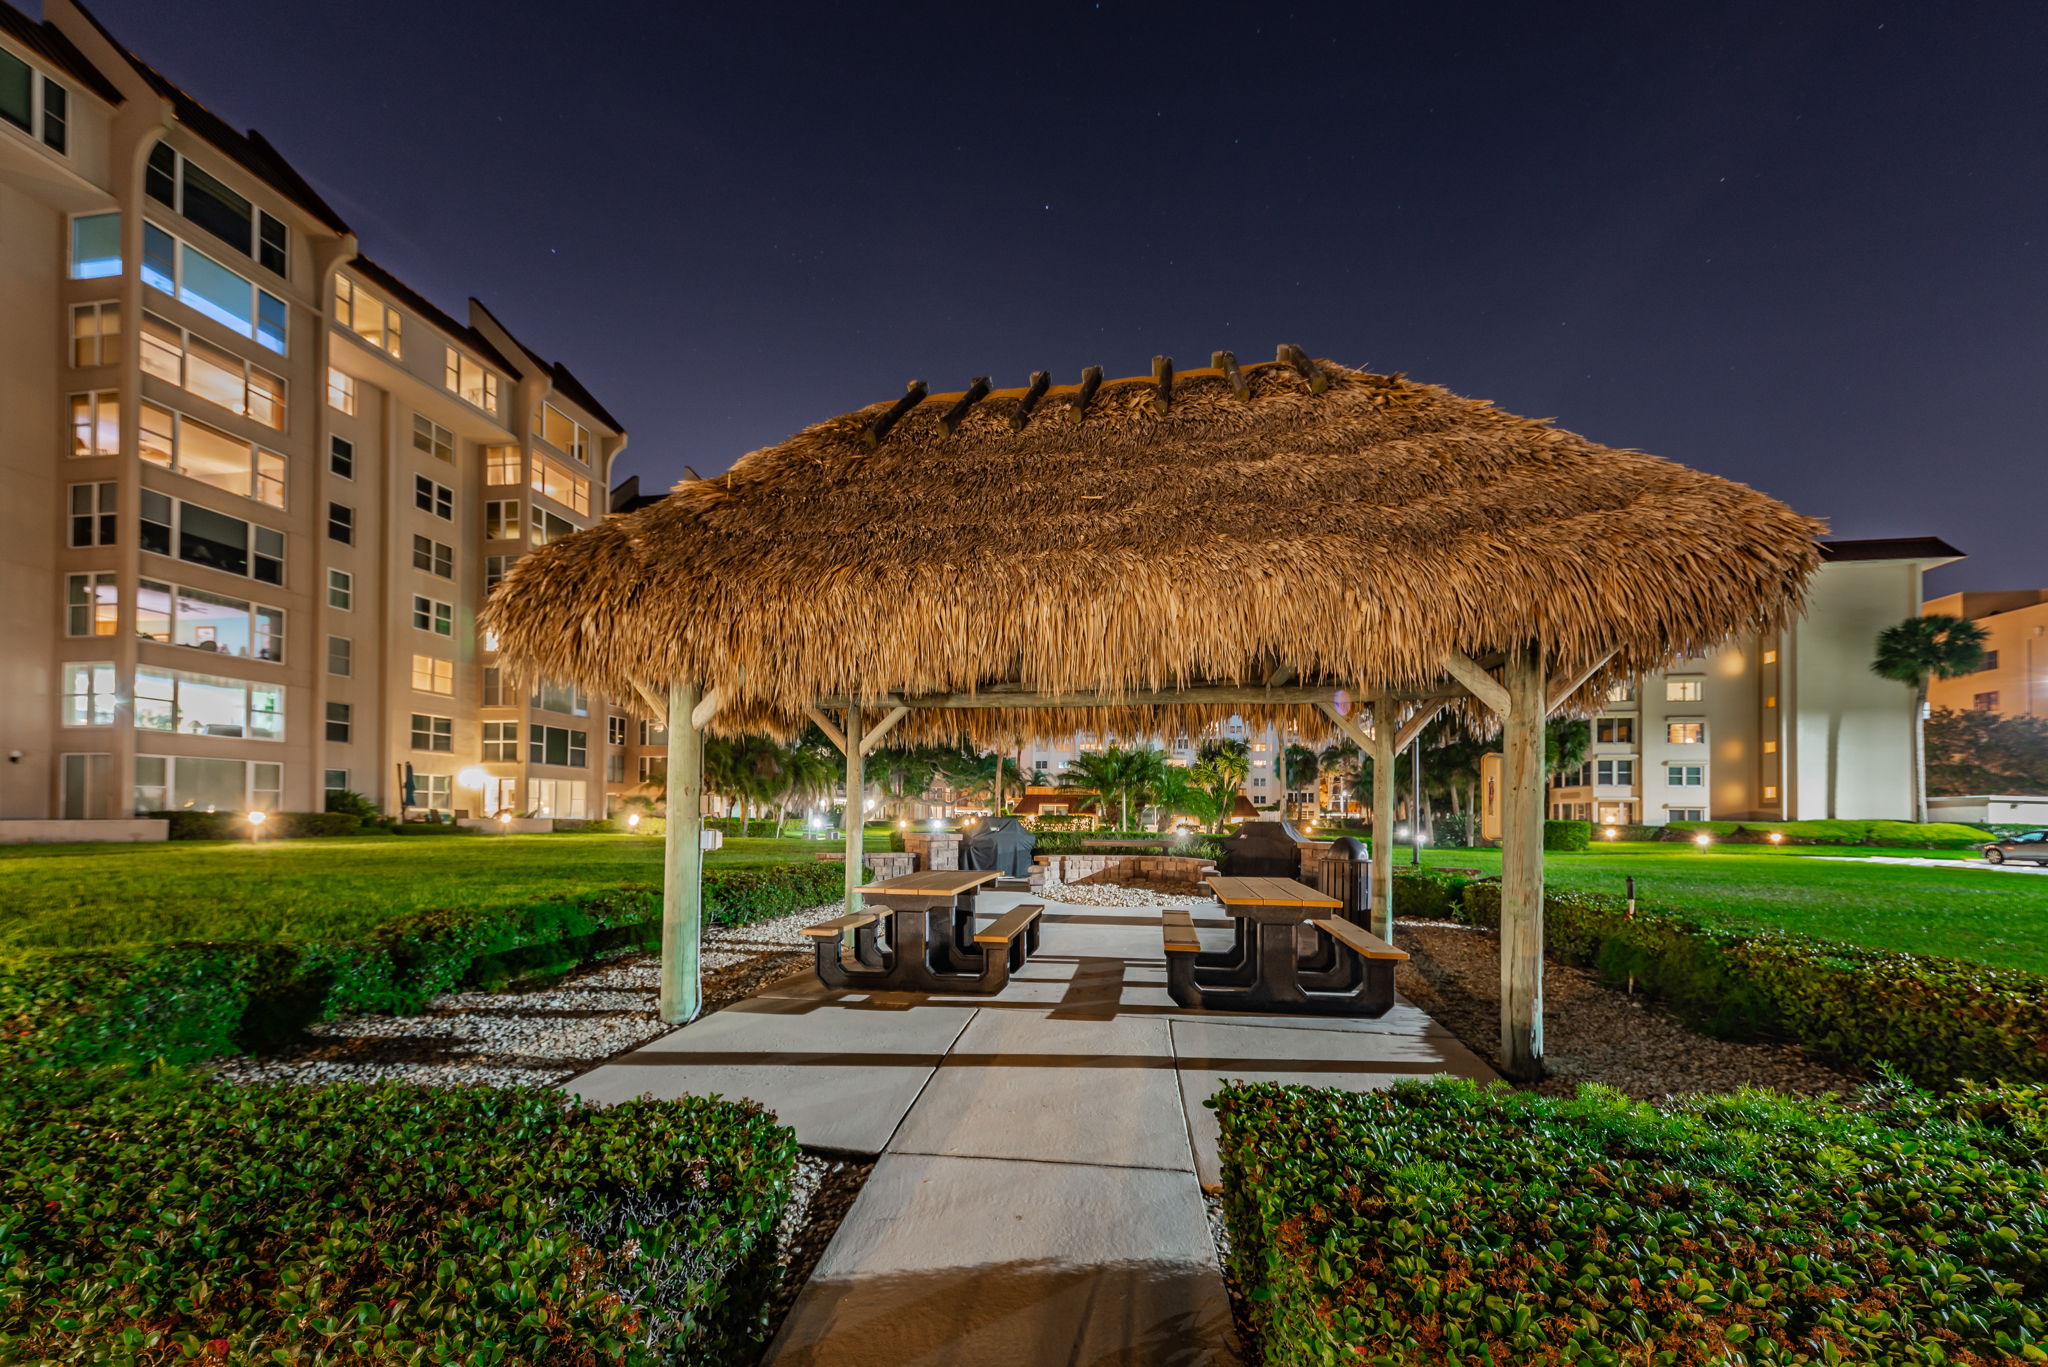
x=1037, y=1195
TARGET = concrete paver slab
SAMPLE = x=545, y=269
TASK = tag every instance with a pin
x=1038, y=1086
x=980, y=1263
x=842, y=1079
x=1210, y=1052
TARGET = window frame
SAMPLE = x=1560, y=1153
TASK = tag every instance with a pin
x=268, y=469
x=99, y=310
x=41, y=120
x=439, y=732
x=344, y=315
x=344, y=395
x=262, y=321
x=433, y=497
x=101, y=694
x=173, y=611
x=93, y=608
x=175, y=536
x=433, y=616
x=260, y=249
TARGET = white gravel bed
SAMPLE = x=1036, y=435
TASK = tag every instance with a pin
x=1111, y=895
x=1931, y=863
x=507, y=1039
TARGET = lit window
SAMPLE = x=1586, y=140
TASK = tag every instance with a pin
x=341, y=589
x=548, y=527
x=220, y=377
x=92, y=604
x=430, y=675
x=615, y=730
x=96, y=333
x=560, y=483
x=1770, y=792
x=95, y=246
x=89, y=694
x=432, y=439
x=1684, y=690
x=1686, y=733
x=178, y=615
x=96, y=423
x=367, y=316
x=1770, y=657
x=501, y=465
x=433, y=733
x=207, y=705
x=471, y=382
x=205, y=285
x=562, y=432
x=1615, y=731
x=204, y=452
x=341, y=391
x=1770, y=747
x=1985, y=702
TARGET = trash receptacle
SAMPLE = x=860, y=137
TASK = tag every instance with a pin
x=1347, y=876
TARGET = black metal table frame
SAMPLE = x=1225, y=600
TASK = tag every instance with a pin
x=1265, y=971
x=928, y=947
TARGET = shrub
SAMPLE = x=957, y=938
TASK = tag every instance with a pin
x=432, y=828
x=1567, y=835
x=185, y=1002
x=1445, y=1222
x=1935, y=1018
x=1455, y=830
x=1428, y=894
x=1933, y=835
x=354, y=804
x=189, y=825
x=383, y=1224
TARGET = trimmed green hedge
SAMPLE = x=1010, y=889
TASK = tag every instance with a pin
x=1567, y=835
x=1448, y=1223
x=184, y=1002
x=177, y=1220
x=1428, y=894
x=1936, y=1019
x=1934, y=835
x=186, y=825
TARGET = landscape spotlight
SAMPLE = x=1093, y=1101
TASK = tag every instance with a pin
x=1612, y=832
x=1703, y=840
x=903, y=825
x=504, y=819
x=633, y=821
x=1777, y=837
x=256, y=824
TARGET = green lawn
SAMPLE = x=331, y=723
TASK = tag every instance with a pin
x=76, y=895
x=1968, y=913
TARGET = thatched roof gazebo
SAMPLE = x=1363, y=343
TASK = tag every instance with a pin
x=1295, y=542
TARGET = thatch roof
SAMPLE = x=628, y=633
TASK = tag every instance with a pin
x=1254, y=525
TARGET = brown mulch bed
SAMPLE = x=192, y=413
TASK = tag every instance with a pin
x=1593, y=1032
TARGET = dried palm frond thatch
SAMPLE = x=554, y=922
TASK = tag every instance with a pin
x=1214, y=526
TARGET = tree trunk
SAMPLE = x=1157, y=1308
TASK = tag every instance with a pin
x=1920, y=751
x=782, y=810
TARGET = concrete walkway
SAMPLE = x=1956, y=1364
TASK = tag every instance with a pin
x=1037, y=1196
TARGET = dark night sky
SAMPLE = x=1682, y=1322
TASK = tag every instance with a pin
x=1797, y=245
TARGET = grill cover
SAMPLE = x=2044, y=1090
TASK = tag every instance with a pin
x=1264, y=849
x=1002, y=843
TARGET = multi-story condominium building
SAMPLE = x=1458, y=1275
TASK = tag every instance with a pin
x=2013, y=681
x=1789, y=726
x=257, y=487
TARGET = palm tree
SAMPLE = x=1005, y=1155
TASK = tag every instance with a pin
x=1342, y=757
x=1225, y=764
x=1299, y=766
x=1937, y=646
x=1193, y=791
x=807, y=768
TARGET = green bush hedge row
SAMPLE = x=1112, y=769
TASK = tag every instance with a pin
x=1937, y=1019
x=185, y=1002
x=1933, y=835
x=1567, y=835
x=186, y=825
x=176, y=1220
x=1445, y=1222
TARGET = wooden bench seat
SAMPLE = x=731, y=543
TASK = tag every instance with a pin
x=839, y=925
x=1014, y=934
x=1180, y=931
x=1358, y=939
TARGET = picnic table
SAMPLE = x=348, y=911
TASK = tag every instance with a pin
x=919, y=935
x=1350, y=972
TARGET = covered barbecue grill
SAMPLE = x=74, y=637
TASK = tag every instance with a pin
x=1264, y=849
x=1002, y=843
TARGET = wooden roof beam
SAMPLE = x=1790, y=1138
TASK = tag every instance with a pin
x=976, y=392
x=1290, y=354
x=913, y=395
x=1091, y=380
x=1226, y=361
x=1041, y=380
x=1162, y=381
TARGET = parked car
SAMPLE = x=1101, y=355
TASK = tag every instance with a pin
x=2030, y=848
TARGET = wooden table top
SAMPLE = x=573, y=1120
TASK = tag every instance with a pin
x=931, y=883
x=1269, y=892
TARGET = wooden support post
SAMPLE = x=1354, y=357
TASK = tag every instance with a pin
x=1521, y=867
x=856, y=809
x=1382, y=752
x=682, y=861
x=1041, y=380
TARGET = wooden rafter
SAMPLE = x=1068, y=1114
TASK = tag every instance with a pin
x=1041, y=380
